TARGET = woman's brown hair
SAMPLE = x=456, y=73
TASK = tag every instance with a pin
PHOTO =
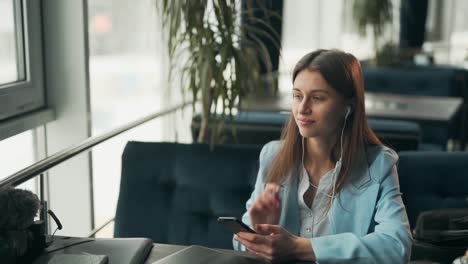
x=342, y=71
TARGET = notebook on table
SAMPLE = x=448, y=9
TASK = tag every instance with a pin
x=78, y=259
x=202, y=255
x=115, y=251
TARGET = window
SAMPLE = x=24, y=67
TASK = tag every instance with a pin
x=16, y=153
x=21, y=77
x=125, y=84
x=11, y=63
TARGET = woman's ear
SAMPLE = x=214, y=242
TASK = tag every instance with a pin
x=351, y=105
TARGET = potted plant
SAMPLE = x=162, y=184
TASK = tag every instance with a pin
x=378, y=14
x=217, y=54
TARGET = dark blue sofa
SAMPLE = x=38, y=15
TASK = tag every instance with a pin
x=416, y=80
x=263, y=127
x=173, y=193
x=433, y=180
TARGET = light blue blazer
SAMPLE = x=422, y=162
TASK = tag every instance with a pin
x=369, y=222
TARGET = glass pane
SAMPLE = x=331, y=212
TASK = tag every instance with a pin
x=125, y=84
x=9, y=63
x=16, y=153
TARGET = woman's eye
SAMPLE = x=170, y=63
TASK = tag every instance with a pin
x=297, y=96
x=317, y=98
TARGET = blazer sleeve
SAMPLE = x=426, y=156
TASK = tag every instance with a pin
x=266, y=155
x=390, y=241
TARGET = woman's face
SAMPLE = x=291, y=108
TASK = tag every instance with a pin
x=318, y=109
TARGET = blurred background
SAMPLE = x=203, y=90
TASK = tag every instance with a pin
x=120, y=51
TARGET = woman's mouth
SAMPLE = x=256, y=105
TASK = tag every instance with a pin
x=305, y=122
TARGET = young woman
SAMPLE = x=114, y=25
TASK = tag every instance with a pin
x=328, y=191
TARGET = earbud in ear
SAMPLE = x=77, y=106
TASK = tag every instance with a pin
x=348, y=110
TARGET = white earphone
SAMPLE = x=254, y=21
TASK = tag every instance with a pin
x=337, y=168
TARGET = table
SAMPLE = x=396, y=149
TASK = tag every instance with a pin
x=379, y=105
x=136, y=251
x=416, y=108
x=129, y=251
x=434, y=111
x=118, y=250
x=161, y=251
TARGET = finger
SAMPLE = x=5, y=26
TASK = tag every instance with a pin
x=273, y=186
x=257, y=207
x=268, y=229
x=275, y=194
x=257, y=239
x=248, y=236
x=277, y=201
x=263, y=230
x=260, y=204
x=272, y=195
x=276, y=188
x=264, y=207
x=260, y=255
x=257, y=244
x=271, y=198
x=263, y=257
x=267, y=203
x=272, y=189
x=256, y=247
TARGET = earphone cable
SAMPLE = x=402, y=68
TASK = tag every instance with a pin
x=336, y=170
x=310, y=182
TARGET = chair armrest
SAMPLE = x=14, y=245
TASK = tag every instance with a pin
x=94, y=231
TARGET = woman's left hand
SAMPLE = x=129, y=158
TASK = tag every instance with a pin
x=275, y=244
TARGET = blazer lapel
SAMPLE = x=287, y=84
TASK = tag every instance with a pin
x=354, y=207
x=352, y=210
x=289, y=208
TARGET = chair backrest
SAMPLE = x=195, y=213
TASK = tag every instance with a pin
x=263, y=127
x=433, y=180
x=397, y=134
x=416, y=80
x=252, y=128
x=174, y=193
x=423, y=80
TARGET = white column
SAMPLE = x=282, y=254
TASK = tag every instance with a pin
x=66, y=79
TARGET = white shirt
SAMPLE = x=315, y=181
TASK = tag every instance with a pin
x=314, y=222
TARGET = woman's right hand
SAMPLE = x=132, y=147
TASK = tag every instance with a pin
x=267, y=208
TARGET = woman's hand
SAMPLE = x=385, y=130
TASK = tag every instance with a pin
x=275, y=244
x=267, y=208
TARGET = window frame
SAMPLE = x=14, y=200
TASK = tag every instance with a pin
x=28, y=93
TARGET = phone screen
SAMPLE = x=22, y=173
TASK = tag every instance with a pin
x=235, y=225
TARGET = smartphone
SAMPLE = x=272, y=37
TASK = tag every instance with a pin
x=235, y=225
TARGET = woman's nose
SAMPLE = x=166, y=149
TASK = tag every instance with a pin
x=304, y=107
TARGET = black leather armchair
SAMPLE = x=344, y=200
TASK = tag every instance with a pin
x=174, y=193
x=433, y=180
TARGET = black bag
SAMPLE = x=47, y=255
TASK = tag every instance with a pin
x=445, y=227
x=441, y=235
